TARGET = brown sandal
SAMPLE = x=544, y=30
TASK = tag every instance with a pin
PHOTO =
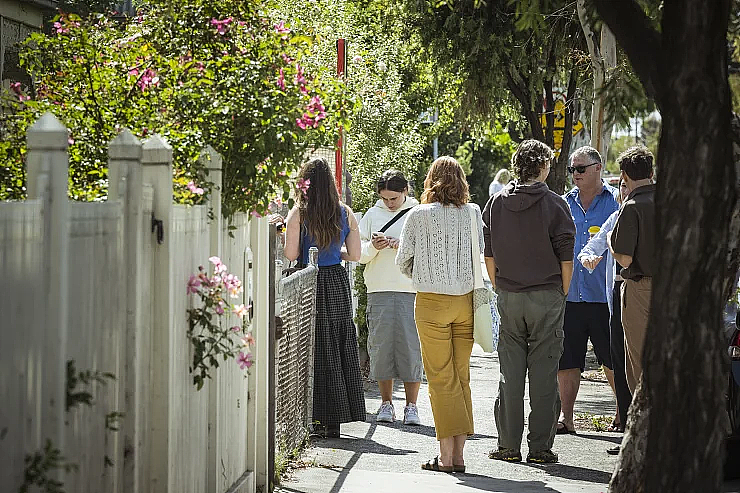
x=457, y=468
x=434, y=466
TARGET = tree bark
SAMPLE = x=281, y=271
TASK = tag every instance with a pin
x=677, y=424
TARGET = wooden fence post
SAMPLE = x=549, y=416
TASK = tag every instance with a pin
x=126, y=185
x=48, y=173
x=157, y=167
x=211, y=160
x=263, y=270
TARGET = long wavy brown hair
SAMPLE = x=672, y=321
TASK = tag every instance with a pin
x=320, y=207
x=445, y=183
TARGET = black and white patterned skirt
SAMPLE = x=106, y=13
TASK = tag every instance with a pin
x=337, y=392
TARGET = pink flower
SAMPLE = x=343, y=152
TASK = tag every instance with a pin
x=222, y=27
x=303, y=185
x=148, y=79
x=194, y=189
x=281, y=80
x=244, y=360
x=301, y=123
x=193, y=285
x=280, y=28
x=248, y=340
x=255, y=214
x=215, y=260
x=134, y=71
x=240, y=311
x=357, y=59
x=300, y=78
x=288, y=60
x=236, y=328
x=16, y=88
x=220, y=308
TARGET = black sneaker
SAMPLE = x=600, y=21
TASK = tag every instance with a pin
x=505, y=454
x=613, y=450
x=542, y=457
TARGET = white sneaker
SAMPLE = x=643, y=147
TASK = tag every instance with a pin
x=411, y=415
x=386, y=413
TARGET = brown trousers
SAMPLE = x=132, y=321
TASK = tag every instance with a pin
x=445, y=325
x=635, y=311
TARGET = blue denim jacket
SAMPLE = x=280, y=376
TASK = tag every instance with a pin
x=585, y=286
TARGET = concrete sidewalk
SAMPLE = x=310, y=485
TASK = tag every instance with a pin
x=386, y=458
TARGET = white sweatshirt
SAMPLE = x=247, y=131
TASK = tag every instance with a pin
x=381, y=271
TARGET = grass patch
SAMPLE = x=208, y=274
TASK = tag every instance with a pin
x=592, y=422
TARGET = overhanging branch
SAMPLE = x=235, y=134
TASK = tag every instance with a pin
x=638, y=39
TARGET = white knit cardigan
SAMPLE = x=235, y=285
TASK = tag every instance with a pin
x=436, y=251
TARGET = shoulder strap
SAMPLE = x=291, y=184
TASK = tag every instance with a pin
x=394, y=219
x=475, y=250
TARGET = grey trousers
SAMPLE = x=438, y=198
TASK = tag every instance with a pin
x=531, y=340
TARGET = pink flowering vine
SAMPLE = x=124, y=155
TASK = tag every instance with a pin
x=281, y=80
x=315, y=112
x=209, y=340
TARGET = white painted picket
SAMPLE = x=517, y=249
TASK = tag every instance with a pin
x=104, y=286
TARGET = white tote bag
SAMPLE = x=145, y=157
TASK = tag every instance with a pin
x=482, y=296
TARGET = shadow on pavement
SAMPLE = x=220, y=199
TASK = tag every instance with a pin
x=355, y=457
x=487, y=483
x=604, y=438
x=573, y=472
x=425, y=430
x=361, y=446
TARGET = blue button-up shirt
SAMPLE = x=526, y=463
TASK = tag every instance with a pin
x=585, y=286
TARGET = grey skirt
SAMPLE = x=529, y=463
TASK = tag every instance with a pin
x=393, y=342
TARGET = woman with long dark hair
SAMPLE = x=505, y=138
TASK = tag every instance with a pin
x=320, y=219
x=437, y=252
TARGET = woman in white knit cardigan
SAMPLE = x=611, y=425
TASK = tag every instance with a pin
x=436, y=253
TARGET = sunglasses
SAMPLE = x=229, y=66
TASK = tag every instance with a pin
x=580, y=169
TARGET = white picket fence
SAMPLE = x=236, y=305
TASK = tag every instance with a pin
x=103, y=285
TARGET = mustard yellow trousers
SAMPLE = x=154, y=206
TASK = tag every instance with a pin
x=445, y=326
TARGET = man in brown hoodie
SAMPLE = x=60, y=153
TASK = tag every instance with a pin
x=529, y=237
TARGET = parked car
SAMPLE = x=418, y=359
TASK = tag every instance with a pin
x=732, y=454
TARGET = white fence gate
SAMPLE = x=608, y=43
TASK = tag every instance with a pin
x=103, y=285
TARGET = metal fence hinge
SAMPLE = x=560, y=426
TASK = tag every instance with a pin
x=158, y=225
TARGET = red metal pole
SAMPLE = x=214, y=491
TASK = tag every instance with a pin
x=341, y=71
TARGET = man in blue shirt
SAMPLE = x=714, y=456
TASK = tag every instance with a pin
x=591, y=202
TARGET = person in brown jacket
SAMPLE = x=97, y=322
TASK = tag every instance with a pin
x=632, y=242
x=529, y=238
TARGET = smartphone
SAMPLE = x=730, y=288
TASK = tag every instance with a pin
x=375, y=234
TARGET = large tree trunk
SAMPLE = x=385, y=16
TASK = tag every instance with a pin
x=675, y=434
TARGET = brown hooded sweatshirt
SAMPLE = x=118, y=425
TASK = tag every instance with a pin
x=528, y=230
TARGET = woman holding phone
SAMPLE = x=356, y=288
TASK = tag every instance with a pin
x=393, y=343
